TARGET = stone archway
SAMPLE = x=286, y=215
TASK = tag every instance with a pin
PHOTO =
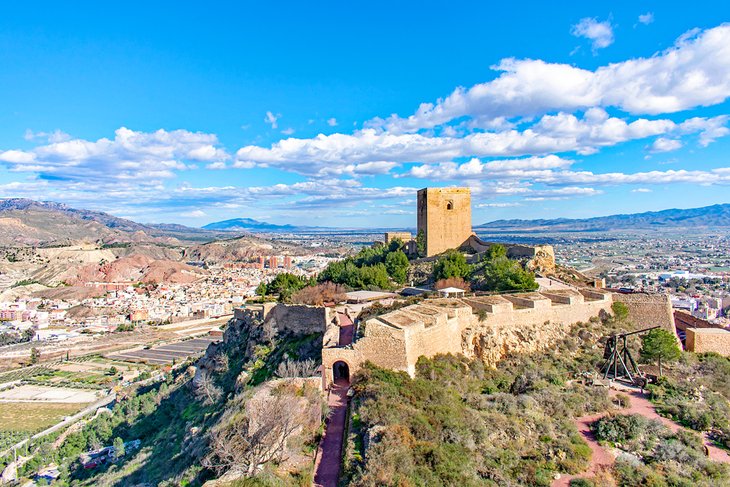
x=341, y=371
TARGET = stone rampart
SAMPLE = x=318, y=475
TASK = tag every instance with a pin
x=487, y=327
x=646, y=310
x=701, y=340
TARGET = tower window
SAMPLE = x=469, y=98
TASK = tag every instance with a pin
x=449, y=205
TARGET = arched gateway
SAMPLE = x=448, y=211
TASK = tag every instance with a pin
x=341, y=371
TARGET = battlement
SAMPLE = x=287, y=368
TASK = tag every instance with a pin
x=487, y=327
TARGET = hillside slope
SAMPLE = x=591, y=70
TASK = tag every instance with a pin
x=710, y=217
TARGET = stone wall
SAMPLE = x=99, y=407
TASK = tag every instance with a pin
x=646, y=310
x=540, y=258
x=701, y=340
x=506, y=325
x=444, y=216
x=488, y=327
x=403, y=236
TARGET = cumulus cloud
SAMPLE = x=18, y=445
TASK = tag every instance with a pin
x=144, y=157
x=646, y=18
x=599, y=33
x=641, y=190
x=288, y=131
x=694, y=72
x=663, y=144
x=370, y=148
x=332, y=122
x=55, y=136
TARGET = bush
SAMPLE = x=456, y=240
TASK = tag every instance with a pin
x=451, y=264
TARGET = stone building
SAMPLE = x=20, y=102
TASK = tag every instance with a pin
x=444, y=217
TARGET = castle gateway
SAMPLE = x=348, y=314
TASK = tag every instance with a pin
x=444, y=217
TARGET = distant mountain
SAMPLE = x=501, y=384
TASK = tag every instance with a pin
x=708, y=217
x=27, y=222
x=250, y=225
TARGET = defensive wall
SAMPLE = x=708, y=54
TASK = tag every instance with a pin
x=701, y=340
x=646, y=310
x=489, y=328
x=540, y=258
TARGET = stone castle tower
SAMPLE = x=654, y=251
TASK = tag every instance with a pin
x=444, y=216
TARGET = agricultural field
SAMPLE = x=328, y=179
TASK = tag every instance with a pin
x=33, y=417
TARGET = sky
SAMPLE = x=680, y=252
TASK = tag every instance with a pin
x=336, y=113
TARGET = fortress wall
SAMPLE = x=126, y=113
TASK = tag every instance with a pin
x=647, y=310
x=701, y=340
x=434, y=340
x=525, y=330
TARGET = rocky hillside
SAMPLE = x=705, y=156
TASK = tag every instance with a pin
x=709, y=217
x=25, y=222
x=239, y=249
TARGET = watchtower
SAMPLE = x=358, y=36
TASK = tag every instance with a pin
x=444, y=216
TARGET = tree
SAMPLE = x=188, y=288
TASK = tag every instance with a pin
x=286, y=284
x=395, y=244
x=421, y=243
x=456, y=282
x=118, y=447
x=661, y=345
x=261, y=290
x=496, y=250
x=620, y=311
x=326, y=292
x=451, y=264
x=35, y=355
x=205, y=389
x=255, y=438
x=396, y=263
x=502, y=274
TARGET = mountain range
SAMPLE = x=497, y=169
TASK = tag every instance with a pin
x=249, y=225
x=708, y=217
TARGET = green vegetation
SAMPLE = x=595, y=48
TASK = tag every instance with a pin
x=451, y=264
x=460, y=423
x=284, y=286
x=696, y=393
x=33, y=417
x=658, y=456
x=496, y=272
x=421, y=243
x=620, y=311
x=661, y=345
x=24, y=282
x=176, y=420
x=377, y=267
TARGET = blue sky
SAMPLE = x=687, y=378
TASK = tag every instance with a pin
x=335, y=114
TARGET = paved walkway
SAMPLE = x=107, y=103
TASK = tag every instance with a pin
x=347, y=330
x=601, y=458
x=329, y=453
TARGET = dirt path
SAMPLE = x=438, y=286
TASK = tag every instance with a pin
x=601, y=458
x=329, y=453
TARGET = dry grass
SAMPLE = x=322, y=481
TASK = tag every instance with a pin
x=31, y=417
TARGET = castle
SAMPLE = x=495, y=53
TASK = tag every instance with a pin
x=444, y=222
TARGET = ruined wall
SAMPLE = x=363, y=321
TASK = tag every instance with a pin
x=701, y=340
x=298, y=319
x=444, y=216
x=404, y=236
x=540, y=258
x=647, y=310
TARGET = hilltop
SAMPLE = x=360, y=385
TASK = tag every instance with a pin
x=25, y=222
x=708, y=217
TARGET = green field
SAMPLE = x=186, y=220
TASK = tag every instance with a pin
x=33, y=417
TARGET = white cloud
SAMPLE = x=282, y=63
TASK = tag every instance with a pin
x=288, y=131
x=194, y=214
x=332, y=122
x=641, y=190
x=145, y=157
x=694, y=72
x=55, y=136
x=646, y=18
x=498, y=205
x=663, y=144
x=272, y=119
x=599, y=33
